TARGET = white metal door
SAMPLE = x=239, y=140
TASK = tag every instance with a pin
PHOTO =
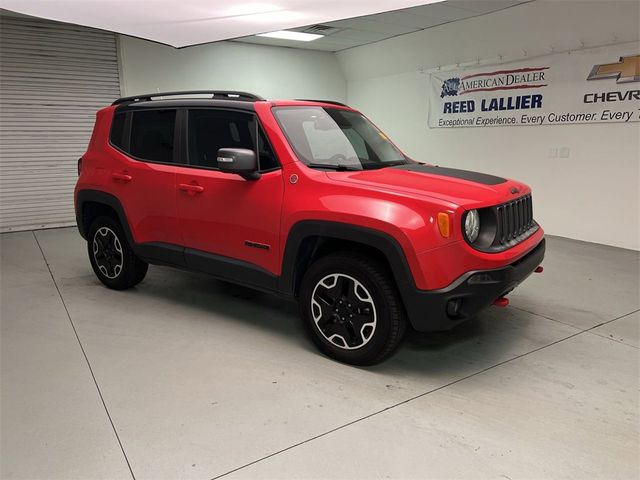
x=53, y=78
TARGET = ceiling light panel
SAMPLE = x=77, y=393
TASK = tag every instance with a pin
x=290, y=35
x=353, y=32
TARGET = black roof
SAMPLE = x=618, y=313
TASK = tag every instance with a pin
x=207, y=98
x=215, y=94
x=187, y=103
x=218, y=98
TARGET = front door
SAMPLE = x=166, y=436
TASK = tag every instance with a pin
x=229, y=225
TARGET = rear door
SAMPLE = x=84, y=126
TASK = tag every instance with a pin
x=143, y=177
x=222, y=214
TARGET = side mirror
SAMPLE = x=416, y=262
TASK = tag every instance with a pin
x=240, y=161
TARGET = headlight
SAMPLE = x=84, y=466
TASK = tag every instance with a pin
x=472, y=225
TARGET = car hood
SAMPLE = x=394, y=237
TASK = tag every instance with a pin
x=461, y=187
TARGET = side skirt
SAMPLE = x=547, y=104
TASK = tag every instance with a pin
x=218, y=266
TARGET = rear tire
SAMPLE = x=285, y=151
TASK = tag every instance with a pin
x=111, y=256
x=352, y=309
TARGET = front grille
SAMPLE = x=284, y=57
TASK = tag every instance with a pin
x=504, y=226
x=514, y=219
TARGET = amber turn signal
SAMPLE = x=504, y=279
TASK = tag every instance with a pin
x=443, y=224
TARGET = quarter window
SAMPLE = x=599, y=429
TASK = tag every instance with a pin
x=211, y=130
x=152, y=134
x=117, y=130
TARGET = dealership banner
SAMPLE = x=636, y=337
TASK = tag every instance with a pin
x=588, y=86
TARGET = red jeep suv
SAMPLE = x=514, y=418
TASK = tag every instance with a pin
x=305, y=199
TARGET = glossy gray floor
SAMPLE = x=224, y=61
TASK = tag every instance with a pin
x=186, y=377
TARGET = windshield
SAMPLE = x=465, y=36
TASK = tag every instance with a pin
x=336, y=139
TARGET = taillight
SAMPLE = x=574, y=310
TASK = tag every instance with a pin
x=79, y=166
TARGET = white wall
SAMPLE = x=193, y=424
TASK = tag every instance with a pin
x=593, y=194
x=272, y=72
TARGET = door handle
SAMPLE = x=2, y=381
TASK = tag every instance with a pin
x=123, y=177
x=187, y=187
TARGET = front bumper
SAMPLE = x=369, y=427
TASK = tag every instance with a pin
x=434, y=310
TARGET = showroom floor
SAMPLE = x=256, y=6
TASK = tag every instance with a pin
x=186, y=377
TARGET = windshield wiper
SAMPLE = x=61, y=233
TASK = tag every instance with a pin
x=336, y=167
x=356, y=168
x=378, y=165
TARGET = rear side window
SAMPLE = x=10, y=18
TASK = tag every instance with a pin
x=152, y=135
x=117, y=130
x=211, y=130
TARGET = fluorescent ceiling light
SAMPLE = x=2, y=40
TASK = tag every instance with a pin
x=289, y=35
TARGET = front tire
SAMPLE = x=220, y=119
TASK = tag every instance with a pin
x=351, y=308
x=111, y=256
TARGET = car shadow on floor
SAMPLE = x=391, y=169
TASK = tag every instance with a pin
x=225, y=301
x=477, y=342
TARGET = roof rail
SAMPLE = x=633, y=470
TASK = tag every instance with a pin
x=331, y=102
x=215, y=94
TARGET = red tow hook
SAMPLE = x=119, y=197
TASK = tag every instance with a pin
x=539, y=269
x=501, y=302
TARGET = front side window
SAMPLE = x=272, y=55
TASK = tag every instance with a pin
x=152, y=135
x=211, y=130
x=335, y=138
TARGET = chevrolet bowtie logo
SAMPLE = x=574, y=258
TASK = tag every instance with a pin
x=626, y=70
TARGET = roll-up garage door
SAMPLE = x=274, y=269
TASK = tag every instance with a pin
x=53, y=79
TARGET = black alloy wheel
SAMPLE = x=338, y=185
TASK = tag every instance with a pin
x=351, y=308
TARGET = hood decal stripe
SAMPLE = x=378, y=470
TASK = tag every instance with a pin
x=468, y=175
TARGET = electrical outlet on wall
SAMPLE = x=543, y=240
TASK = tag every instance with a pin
x=562, y=152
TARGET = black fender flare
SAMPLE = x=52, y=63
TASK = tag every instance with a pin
x=98, y=196
x=377, y=239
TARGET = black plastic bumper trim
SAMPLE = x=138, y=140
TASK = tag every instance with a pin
x=476, y=290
